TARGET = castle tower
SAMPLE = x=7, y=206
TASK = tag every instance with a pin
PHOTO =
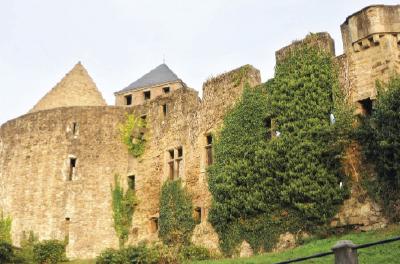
x=371, y=43
x=161, y=80
x=75, y=89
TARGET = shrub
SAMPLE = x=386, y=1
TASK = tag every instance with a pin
x=112, y=256
x=263, y=185
x=5, y=228
x=193, y=252
x=131, y=135
x=176, y=214
x=123, y=206
x=6, y=253
x=49, y=252
x=25, y=254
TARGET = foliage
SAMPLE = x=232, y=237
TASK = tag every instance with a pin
x=49, y=252
x=380, y=136
x=5, y=228
x=193, y=252
x=152, y=254
x=25, y=253
x=262, y=184
x=176, y=219
x=132, y=136
x=6, y=253
x=123, y=206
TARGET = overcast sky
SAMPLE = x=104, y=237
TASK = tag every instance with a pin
x=118, y=41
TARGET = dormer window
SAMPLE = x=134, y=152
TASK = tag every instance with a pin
x=147, y=95
x=166, y=89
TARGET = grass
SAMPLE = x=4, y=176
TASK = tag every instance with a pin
x=387, y=253
x=82, y=261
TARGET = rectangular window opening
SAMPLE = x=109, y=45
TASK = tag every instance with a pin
x=166, y=89
x=209, y=150
x=131, y=182
x=197, y=215
x=180, y=152
x=72, y=167
x=153, y=225
x=366, y=106
x=147, y=95
x=128, y=99
x=171, y=154
x=165, y=109
x=143, y=117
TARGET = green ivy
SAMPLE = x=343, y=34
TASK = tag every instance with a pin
x=123, y=206
x=131, y=133
x=5, y=228
x=263, y=185
x=380, y=136
x=176, y=214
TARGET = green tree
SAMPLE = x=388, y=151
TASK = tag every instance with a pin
x=176, y=219
x=5, y=228
x=380, y=136
x=132, y=136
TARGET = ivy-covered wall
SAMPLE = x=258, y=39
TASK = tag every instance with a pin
x=278, y=157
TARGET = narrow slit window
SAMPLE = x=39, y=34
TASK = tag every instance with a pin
x=153, y=225
x=165, y=109
x=131, y=182
x=72, y=167
x=128, y=99
x=74, y=128
x=143, y=117
x=197, y=215
x=268, y=126
x=166, y=89
x=209, y=154
x=147, y=95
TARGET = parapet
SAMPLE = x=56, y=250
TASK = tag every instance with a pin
x=321, y=40
x=365, y=26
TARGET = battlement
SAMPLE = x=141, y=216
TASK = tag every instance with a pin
x=365, y=27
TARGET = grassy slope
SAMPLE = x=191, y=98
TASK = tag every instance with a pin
x=388, y=253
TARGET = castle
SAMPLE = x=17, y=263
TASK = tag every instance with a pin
x=58, y=161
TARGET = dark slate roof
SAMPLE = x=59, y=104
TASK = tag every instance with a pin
x=161, y=74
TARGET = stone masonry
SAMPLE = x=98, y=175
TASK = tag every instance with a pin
x=58, y=162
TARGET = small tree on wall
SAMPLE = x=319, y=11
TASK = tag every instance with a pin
x=5, y=228
x=131, y=133
x=176, y=214
x=123, y=206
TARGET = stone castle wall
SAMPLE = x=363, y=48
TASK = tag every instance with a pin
x=35, y=162
x=35, y=149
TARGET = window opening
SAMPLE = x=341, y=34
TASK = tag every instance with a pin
x=128, y=99
x=72, y=167
x=366, y=106
x=166, y=89
x=197, y=215
x=131, y=182
x=209, y=155
x=74, y=128
x=165, y=109
x=147, y=95
x=153, y=225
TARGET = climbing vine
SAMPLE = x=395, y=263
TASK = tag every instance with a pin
x=380, y=136
x=5, y=228
x=176, y=220
x=131, y=133
x=123, y=206
x=278, y=157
